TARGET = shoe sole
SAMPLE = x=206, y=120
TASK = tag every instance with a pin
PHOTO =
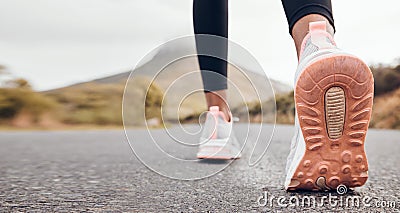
x=334, y=97
x=215, y=153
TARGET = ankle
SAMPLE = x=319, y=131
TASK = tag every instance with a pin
x=218, y=98
x=227, y=112
x=301, y=29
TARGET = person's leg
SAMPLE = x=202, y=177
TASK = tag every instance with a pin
x=333, y=94
x=210, y=17
x=300, y=13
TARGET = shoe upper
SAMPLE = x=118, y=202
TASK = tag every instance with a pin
x=216, y=126
x=218, y=132
x=317, y=39
x=318, y=42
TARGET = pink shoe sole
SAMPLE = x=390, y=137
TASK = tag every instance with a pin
x=334, y=97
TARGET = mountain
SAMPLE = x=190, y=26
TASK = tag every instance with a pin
x=180, y=82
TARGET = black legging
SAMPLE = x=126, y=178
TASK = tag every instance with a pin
x=211, y=17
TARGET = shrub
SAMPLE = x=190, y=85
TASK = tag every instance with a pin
x=153, y=102
x=16, y=100
x=386, y=78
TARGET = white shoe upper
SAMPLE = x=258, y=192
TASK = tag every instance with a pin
x=297, y=150
x=217, y=138
x=316, y=44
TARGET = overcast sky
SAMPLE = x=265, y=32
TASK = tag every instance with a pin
x=54, y=43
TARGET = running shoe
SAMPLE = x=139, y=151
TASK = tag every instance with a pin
x=333, y=98
x=218, y=140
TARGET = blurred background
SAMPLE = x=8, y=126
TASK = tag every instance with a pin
x=64, y=64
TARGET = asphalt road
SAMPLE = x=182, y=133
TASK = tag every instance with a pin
x=66, y=171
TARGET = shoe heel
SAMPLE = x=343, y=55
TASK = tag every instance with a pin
x=333, y=98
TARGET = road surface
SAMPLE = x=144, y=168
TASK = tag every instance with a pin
x=96, y=171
